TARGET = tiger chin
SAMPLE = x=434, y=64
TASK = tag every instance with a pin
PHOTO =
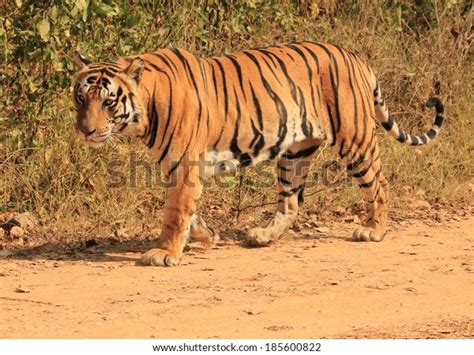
x=276, y=103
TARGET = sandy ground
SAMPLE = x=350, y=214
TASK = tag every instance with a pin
x=418, y=283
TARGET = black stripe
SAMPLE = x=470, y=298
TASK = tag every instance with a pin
x=271, y=68
x=281, y=167
x=234, y=145
x=168, y=120
x=218, y=138
x=304, y=153
x=153, y=119
x=260, y=143
x=301, y=197
x=331, y=57
x=258, y=109
x=132, y=103
x=364, y=78
x=256, y=134
x=166, y=62
x=224, y=85
x=102, y=71
x=170, y=63
x=335, y=91
x=292, y=191
x=314, y=56
x=389, y=124
x=202, y=70
x=173, y=168
x=362, y=155
x=364, y=171
x=285, y=72
x=165, y=150
x=283, y=181
x=355, y=164
x=105, y=82
x=308, y=68
x=239, y=72
x=351, y=75
x=245, y=160
x=334, y=83
x=402, y=136
x=265, y=55
x=282, y=129
x=214, y=80
x=123, y=126
x=190, y=74
x=307, y=131
x=155, y=67
x=431, y=133
x=371, y=182
x=105, y=66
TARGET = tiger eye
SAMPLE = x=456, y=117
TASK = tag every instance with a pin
x=108, y=102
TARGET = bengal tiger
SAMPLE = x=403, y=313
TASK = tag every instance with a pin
x=275, y=103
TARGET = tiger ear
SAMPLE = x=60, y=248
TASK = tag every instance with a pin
x=135, y=69
x=80, y=61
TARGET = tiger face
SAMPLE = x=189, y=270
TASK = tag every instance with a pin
x=106, y=100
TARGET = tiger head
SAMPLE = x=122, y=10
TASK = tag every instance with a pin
x=107, y=100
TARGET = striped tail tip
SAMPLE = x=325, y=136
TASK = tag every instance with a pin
x=438, y=105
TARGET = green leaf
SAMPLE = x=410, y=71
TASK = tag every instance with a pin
x=43, y=29
x=83, y=5
x=103, y=9
x=74, y=12
x=53, y=13
x=18, y=3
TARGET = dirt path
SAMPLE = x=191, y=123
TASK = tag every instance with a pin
x=417, y=283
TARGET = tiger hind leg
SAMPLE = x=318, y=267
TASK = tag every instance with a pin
x=293, y=168
x=366, y=170
x=200, y=232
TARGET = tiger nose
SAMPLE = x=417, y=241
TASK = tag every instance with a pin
x=85, y=130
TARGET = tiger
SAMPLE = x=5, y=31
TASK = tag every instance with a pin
x=282, y=102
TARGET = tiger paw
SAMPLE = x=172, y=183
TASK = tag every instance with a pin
x=366, y=234
x=160, y=257
x=205, y=235
x=258, y=237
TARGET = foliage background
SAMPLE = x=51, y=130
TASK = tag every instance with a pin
x=418, y=48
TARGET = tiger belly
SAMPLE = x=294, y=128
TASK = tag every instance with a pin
x=214, y=162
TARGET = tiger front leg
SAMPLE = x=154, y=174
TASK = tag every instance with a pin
x=183, y=193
